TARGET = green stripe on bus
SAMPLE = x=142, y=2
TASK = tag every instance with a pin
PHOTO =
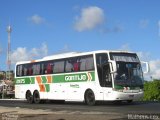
x=44, y=79
x=32, y=80
x=81, y=77
x=47, y=86
x=26, y=80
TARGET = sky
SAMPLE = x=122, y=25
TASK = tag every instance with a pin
x=45, y=27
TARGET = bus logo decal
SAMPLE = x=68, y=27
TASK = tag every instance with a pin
x=42, y=82
x=89, y=76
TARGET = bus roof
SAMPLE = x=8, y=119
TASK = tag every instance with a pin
x=71, y=54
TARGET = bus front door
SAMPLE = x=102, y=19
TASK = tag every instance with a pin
x=107, y=81
x=103, y=71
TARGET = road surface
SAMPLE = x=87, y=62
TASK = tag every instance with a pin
x=21, y=110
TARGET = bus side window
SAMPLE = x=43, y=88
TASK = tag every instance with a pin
x=82, y=64
x=69, y=66
x=58, y=66
x=36, y=68
x=89, y=63
x=19, y=70
x=49, y=68
x=25, y=69
x=76, y=66
x=30, y=71
x=43, y=68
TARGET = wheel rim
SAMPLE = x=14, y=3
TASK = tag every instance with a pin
x=36, y=97
x=29, y=97
x=90, y=98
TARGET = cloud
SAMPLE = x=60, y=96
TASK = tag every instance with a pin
x=36, y=19
x=154, y=66
x=42, y=51
x=154, y=69
x=23, y=54
x=20, y=54
x=90, y=18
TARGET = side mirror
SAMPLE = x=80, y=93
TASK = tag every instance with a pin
x=113, y=66
x=145, y=67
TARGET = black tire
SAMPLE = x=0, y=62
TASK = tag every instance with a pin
x=29, y=97
x=90, y=98
x=36, y=97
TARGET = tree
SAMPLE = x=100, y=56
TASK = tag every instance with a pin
x=2, y=76
x=152, y=90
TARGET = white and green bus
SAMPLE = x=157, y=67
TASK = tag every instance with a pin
x=89, y=76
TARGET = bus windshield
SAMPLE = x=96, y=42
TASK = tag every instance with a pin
x=129, y=72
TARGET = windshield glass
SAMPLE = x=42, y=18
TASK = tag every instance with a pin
x=129, y=72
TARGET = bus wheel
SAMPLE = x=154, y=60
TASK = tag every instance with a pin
x=36, y=97
x=29, y=97
x=90, y=97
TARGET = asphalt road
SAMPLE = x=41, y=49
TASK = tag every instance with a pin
x=80, y=111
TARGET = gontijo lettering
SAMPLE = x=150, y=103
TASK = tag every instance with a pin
x=75, y=77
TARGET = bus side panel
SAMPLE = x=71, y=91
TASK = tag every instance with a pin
x=57, y=91
x=75, y=91
x=20, y=90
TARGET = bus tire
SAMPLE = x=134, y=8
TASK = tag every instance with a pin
x=90, y=97
x=29, y=97
x=36, y=97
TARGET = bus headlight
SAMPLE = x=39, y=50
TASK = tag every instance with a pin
x=140, y=90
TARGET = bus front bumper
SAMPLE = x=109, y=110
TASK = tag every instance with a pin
x=122, y=96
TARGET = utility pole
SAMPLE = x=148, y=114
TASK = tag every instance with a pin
x=9, y=30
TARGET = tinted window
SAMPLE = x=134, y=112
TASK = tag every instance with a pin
x=125, y=57
x=19, y=70
x=36, y=69
x=25, y=70
x=89, y=63
x=47, y=67
x=69, y=66
x=75, y=64
x=86, y=63
x=58, y=67
x=30, y=69
x=72, y=65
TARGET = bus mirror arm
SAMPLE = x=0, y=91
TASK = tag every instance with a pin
x=147, y=67
x=113, y=66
